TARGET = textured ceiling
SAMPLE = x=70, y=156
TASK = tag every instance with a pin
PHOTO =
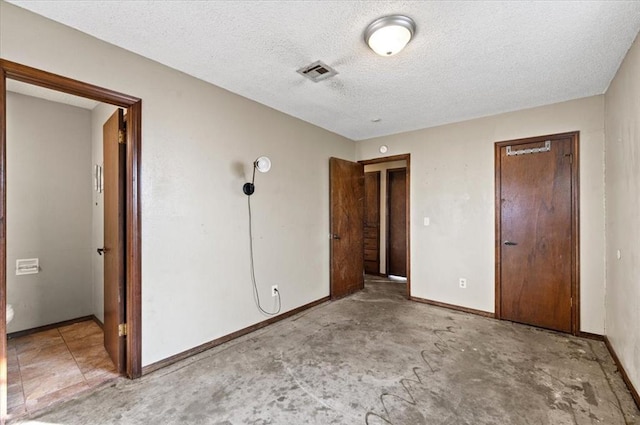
x=467, y=59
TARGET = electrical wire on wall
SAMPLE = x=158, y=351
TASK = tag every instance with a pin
x=262, y=164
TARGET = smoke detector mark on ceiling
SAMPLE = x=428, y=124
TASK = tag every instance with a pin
x=317, y=71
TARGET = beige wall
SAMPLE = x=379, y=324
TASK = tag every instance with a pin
x=48, y=210
x=622, y=124
x=383, y=167
x=198, y=145
x=452, y=183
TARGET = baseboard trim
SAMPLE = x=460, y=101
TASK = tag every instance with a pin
x=98, y=322
x=454, y=307
x=218, y=341
x=25, y=332
x=590, y=335
x=623, y=373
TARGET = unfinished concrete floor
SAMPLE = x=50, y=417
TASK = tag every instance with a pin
x=374, y=358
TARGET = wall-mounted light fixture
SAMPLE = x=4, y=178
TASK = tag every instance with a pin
x=262, y=164
x=388, y=35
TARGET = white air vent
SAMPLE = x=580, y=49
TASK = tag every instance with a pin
x=317, y=71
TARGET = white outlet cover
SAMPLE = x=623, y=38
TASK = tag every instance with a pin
x=427, y=221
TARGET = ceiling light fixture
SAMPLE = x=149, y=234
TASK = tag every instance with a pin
x=388, y=35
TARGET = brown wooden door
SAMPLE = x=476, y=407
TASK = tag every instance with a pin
x=114, y=237
x=397, y=222
x=346, y=182
x=372, y=222
x=536, y=236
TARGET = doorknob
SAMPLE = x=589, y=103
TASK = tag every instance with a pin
x=102, y=251
x=334, y=236
x=510, y=243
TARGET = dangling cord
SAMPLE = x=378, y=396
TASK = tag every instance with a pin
x=256, y=296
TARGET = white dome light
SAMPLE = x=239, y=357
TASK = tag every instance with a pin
x=263, y=164
x=389, y=35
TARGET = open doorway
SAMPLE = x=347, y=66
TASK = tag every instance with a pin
x=127, y=335
x=55, y=218
x=360, y=238
x=386, y=223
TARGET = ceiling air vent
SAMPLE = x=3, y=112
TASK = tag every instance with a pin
x=317, y=71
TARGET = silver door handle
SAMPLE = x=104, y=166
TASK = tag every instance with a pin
x=334, y=236
x=510, y=243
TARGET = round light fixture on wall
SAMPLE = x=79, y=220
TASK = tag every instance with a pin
x=388, y=35
x=383, y=149
x=263, y=164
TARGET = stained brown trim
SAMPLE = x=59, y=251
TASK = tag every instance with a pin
x=575, y=222
x=237, y=334
x=43, y=328
x=3, y=245
x=589, y=335
x=623, y=372
x=97, y=321
x=133, y=106
x=454, y=307
x=37, y=77
x=134, y=241
x=402, y=157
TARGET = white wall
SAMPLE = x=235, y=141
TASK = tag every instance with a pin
x=383, y=167
x=99, y=115
x=622, y=125
x=48, y=210
x=198, y=143
x=452, y=182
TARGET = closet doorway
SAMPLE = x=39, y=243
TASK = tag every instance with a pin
x=386, y=224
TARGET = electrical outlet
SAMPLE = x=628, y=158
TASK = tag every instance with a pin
x=463, y=283
x=274, y=291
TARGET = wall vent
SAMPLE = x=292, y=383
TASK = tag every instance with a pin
x=317, y=71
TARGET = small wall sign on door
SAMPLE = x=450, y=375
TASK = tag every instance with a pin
x=97, y=175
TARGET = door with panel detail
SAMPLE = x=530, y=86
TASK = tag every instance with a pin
x=372, y=222
x=346, y=182
x=536, y=231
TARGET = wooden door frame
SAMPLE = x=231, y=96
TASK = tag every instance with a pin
x=387, y=209
x=407, y=158
x=133, y=105
x=575, y=221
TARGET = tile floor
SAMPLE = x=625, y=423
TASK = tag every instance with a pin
x=53, y=365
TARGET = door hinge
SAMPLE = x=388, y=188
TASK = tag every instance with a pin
x=570, y=155
x=122, y=329
x=122, y=137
